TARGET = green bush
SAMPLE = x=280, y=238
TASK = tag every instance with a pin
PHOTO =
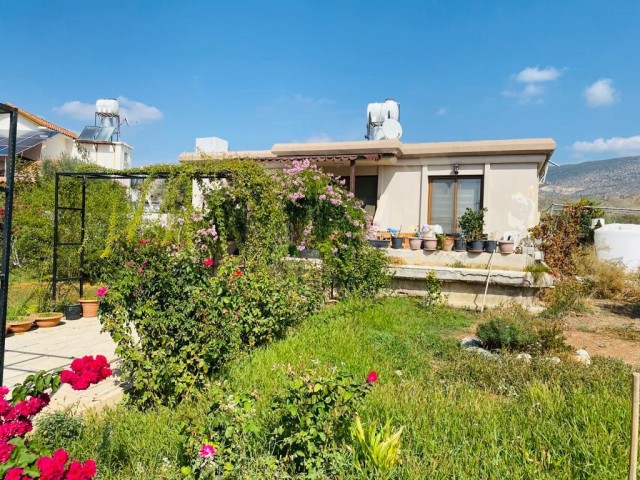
x=567, y=295
x=508, y=334
x=57, y=429
x=177, y=320
x=312, y=415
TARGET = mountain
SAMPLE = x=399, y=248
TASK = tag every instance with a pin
x=616, y=178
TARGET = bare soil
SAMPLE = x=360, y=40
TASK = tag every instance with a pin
x=608, y=328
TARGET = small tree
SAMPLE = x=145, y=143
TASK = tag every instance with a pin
x=472, y=223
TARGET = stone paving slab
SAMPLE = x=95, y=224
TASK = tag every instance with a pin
x=52, y=348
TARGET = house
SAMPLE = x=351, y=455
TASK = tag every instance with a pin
x=405, y=185
x=38, y=139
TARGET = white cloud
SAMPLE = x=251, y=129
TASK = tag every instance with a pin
x=529, y=94
x=136, y=112
x=77, y=110
x=441, y=111
x=615, y=145
x=532, y=77
x=536, y=75
x=320, y=137
x=601, y=93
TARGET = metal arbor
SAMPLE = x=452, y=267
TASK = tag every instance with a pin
x=84, y=177
x=7, y=189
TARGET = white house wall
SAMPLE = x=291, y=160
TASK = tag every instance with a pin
x=510, y=192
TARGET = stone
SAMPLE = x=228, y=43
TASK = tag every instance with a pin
x=524, y=357
x=583, y=356
x=553, y=359
x=467, y=342
x=480, y=351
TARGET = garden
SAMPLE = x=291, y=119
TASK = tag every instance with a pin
x=254, y=342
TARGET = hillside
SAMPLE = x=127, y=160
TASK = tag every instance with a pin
x=604, y=179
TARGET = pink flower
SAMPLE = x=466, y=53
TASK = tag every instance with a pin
x=208, y=262
x=140, y=270
x=372, y=377
x=102, y=291
x=207, y=451
x=322, y=197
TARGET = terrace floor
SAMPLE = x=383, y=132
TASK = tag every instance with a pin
x=52, y=348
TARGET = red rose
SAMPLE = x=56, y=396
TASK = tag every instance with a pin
x=208, y=262
x=238, y=273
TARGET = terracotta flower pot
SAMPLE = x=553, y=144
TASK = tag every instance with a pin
x=22, y=327
x=89, y=307
x=430, y=244
x=47, y=320
x=447, y=244
x=415, y=243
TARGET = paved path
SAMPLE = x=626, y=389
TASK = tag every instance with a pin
x=51, y=348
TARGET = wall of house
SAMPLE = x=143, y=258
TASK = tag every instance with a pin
x=510, y=192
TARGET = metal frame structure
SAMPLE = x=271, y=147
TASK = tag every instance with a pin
x=6, y=227
x=85, y=176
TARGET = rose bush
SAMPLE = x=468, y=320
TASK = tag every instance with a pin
x=21, y=459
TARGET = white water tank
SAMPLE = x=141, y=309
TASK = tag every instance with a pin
x=108, y=105
x=619, y=242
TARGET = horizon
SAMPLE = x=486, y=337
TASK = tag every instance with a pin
x=258, y=74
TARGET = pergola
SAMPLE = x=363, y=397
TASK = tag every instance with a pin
x=84, y=177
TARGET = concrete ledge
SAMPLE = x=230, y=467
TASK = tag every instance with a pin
x=513, y=261
x=474, y=275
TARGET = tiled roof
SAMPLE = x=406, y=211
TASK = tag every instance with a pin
x=45, y=123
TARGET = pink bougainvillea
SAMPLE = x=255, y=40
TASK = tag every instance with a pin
x=207, y=451
x=208, y=262
x=102, y=291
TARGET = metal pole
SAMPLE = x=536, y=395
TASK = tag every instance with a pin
x=635, y=413
x=6, y=232
x=352, y=176
x=54, y=276
x=82, y=233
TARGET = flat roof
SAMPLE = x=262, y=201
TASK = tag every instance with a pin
x=285, y=151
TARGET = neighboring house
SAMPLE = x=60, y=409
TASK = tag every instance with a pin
x=405, y=185
x=38, y=138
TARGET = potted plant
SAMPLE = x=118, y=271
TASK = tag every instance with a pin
x=45, y=316
x=396, y=240
x=490, y=245
x=373, y=237
x=72, y=311
x=90, y=302
x=430, y=242
x=21, y=324
x=505, y=246
x=445, y=242
x=459, y=243
x=471, y=223
x=415, y=242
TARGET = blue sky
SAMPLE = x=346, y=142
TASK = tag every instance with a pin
x=257, y=73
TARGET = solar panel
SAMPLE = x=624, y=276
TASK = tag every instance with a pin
x=96, y=134
x=25, y=139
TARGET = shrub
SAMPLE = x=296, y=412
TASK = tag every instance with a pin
x=604, y=279
x=507, y=333
x=559, y=235
x=191, y=314
x=433, y=296
x=568, y=294
x=57, y=429
x=313, y=413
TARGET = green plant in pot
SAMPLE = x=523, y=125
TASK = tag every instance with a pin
x=415, y=242
x=46, y=314
x=471, y=222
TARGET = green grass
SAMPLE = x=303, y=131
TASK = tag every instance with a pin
x=463, y=416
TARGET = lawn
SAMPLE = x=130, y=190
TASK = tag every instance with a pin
x=464, y=416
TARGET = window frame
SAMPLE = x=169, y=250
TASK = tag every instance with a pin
x=455, y=178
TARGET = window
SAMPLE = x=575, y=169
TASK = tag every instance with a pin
x=449, y=197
